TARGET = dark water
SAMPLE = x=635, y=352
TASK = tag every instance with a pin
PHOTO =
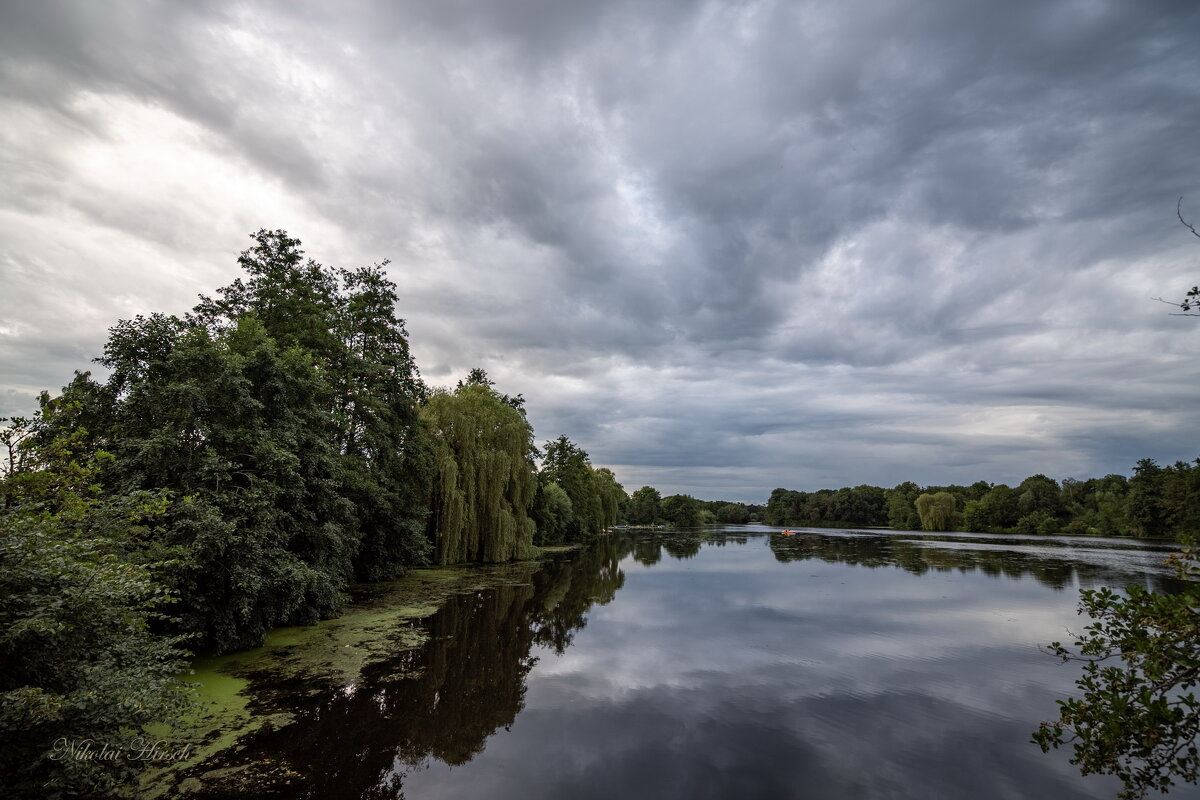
x=829, y=664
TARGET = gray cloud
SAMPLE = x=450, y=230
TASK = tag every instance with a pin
x=724, y=245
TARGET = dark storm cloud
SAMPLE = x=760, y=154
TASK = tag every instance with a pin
x=805, y=241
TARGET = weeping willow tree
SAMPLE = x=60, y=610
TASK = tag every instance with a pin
x=612, y=496
x=484, y=482
x=936, y=511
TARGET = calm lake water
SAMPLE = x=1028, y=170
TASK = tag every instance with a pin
x=742, y=664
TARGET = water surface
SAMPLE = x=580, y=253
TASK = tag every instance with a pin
x=829, y=664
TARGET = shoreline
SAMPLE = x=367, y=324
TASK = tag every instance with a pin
x=246, y=691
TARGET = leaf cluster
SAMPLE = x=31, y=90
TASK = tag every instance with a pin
x=1137, y=716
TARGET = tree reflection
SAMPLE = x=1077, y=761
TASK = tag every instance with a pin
x=681, y=547
x=922, y=554
x=647, y=551
x=441, y=701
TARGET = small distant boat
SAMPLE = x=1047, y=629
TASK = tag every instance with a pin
x=787, y=533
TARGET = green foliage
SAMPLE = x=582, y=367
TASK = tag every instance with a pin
x=1157, y=501
x=645, y=506
x=1164, y=501
x=733, y=513
x=282, y=418
x=901, y=505
x=79, y=663
x=1038, y=493
x=936, y=511
x=567, y=464
x=551, y=513
x=849, y=507
x=242, y=465
x=611, y=495
x=294, y=298
x=387, y=458
x=681, y=511
x=346, y=321
x=484, y=481
x=994, y=512
x=239, y=431
x=1137, y=716
x=1038, y=522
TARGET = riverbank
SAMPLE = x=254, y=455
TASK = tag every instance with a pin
x=260, y=689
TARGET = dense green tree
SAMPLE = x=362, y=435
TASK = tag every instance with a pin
x=346, y=320
x=645, y=506
x=994, y=512
x=1181, y=496
x=936, y=511
x=1040, y=504
x=567, y=464
x=551, y=513
x=238, y=432
x=282, y=417
x=901, y=506
x=1107, y=507
x=484, y=478
x=733, y=513
x=681, y=511
x=388, y=460
x=1157, y=501
x=1144, y=506
x=611, y=495
x=782, y=506
x=862, y=505
x=79, y=664
x=977, y=490
x=294, y=298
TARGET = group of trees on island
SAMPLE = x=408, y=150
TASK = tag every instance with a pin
x=1156, y=501
x=238, y=468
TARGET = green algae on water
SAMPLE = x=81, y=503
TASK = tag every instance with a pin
x=244, y=692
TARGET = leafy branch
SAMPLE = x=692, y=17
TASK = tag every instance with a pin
x=1137, y=716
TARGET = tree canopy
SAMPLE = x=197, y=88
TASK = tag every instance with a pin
x=484, y=480
x=236, y=470
x=596, y=498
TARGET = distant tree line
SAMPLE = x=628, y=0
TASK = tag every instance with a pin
x=647, y=507
x=238, y=468
x=1156, y=501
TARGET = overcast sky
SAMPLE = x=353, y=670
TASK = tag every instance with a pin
x=724, y=246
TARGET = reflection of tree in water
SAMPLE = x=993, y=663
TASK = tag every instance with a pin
x=922, y=555
x=647, y=551
x=681, y=545
x=441, y=701
x=566, y=590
